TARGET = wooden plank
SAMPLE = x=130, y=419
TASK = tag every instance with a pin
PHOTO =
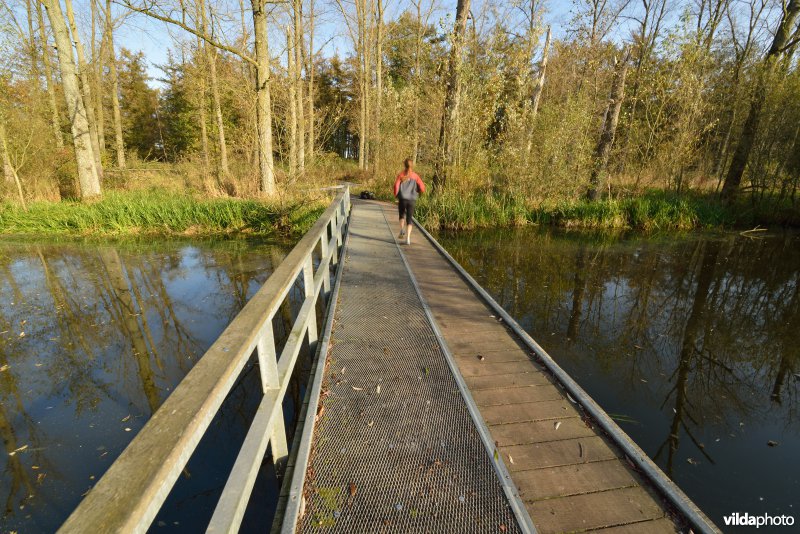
x=528, y=411
x=489, y=345
x=558, y=453
x=485, y=367
x=493, y=397
x=652, y=526
x=594, y=510
x=495, y=356
x=579, y=479
x=539, y=432
x=533, y=378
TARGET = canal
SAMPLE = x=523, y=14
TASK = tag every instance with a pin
x=691, y=343
x=93, y=338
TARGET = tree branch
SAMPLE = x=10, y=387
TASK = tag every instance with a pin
x=202, y=35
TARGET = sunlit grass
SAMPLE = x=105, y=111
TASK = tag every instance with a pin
x=652, y=211
x=161, y=213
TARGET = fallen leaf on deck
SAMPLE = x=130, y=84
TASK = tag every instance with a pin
x=126, y=418
x=557, y=424
x=357, y=389
x=510, y=458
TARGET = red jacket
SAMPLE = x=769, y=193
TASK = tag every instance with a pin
x=403, y=176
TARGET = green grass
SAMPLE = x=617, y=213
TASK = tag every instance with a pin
x=160, y=213
x=653, y=211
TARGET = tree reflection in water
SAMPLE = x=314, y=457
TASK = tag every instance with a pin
x=92, y=340
x=691, y=343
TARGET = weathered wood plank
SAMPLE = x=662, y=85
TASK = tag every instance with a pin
x=476, y=367
x=652, y=526
x=558, y=453
x=533, y=378
x=540, y=431
x=578, y=479
x=594, y=510
x=528, y=411
x=494, y=397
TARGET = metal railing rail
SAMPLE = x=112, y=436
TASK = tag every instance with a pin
x=130, y=494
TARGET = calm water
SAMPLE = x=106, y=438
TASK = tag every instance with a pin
x=691, y=343
x=92, y=340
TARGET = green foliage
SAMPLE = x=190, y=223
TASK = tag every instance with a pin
x=162, y=213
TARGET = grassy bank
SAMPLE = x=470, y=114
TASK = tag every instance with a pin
x=654, y=210
x=162, y=213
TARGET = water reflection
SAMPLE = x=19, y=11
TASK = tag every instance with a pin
x=692, y=344
x=92, y=340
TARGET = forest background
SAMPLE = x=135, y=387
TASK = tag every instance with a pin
x=614, y=113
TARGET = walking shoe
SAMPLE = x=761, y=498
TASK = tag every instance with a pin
x=401, y=235
x=408, y=240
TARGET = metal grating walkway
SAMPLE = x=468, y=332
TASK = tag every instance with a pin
x=395, y=448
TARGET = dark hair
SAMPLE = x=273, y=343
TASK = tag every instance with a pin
x=408, y=162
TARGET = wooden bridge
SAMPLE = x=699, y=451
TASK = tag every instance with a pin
x=429, y=409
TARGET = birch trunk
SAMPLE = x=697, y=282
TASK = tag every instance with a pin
x=211, y=60
x=202, y=111
x=263, y=109
x=378, y=85
x=55, y=122
x=119, y=143
x=97, y=77
x=451, y=99
x=610, y=122
x=299, y=43
x=311, y=134
x=292, y=103
x=417, y=81
x=536, y=94
x=88, y=177
x=9, y=172
x=86, y=91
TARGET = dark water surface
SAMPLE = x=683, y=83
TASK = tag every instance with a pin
x=93, y=337
x=691, y=343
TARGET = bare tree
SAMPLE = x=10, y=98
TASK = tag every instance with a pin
x=119, y=142
x=452, y=95
x=606, y=142
x=55, y=122
x=786, y=35
x=88, y=176
x=86, y=91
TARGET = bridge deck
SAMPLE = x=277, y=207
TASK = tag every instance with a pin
x=570, y=476
x=395, y=448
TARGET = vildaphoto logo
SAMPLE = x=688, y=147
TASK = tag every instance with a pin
x=765, y=520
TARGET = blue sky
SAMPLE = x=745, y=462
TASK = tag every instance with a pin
x=155, y=38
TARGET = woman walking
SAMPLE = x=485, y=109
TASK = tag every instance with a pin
x=407, y=188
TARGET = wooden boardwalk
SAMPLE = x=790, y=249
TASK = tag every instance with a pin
x=568, y=474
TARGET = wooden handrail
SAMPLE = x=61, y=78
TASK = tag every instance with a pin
x=130, y=494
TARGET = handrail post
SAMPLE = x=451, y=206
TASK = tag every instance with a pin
x=326, y=277
x=308, y=283
x=268, y=366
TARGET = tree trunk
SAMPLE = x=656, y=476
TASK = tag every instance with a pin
x=9, y=172
x=451, y=97
x=211, y=61
x=750, y=129
x=263, y=109
x=378, y=86
x=292, y=103
x=610, y=122
x=417, y=81
x=299, y=43
x=202, y=111
x=97, y=77
x=310, y=141
x=87, y=171
x=55, y=122
x=86, y=91
x=112, y=71
x=536, y=95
